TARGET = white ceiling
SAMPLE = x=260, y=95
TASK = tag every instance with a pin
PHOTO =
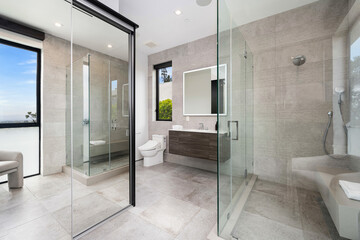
x=246, y=11
x=156, y=19
x=160, y=25
x=89, y=31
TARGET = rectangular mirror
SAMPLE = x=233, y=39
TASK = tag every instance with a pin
x=200, y=91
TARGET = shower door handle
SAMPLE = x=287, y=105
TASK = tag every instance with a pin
x=230, y=127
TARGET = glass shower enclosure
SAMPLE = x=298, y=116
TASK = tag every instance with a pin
x=101, y=115
x=100, y=111
x=235, y=129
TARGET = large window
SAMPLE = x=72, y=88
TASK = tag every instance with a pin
x=19, y=85
x=163, y=91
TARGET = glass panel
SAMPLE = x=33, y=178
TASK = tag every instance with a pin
x=99, y=114
x=294, y=102
x=235, y=128
x=100, y=131
x=80, y=115
x=27, y=143
x=249, y=111
x=43, y=200
x=164, y=94
x=18, y=83
x=353, y=126
x=119, y=134
x=224, y=141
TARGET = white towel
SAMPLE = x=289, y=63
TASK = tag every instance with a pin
x=351, y=189
x=97, y=142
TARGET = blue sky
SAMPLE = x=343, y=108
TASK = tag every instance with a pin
x=17, y=83
x=169, y=72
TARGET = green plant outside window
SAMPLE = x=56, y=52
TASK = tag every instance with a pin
x=165, y=109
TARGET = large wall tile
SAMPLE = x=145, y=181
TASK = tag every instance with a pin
x=290, y=102
x=194, y=55
x=56, y=54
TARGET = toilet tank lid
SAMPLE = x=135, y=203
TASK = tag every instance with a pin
x=149, y=145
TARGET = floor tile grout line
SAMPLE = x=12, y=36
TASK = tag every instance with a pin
x=176, y=197
x=11, y=229
x=183, y=228
x=38, y=199
x=152, y=224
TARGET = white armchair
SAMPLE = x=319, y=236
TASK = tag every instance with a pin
x=11, y=163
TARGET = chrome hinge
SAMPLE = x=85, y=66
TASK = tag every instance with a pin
x=85, y=122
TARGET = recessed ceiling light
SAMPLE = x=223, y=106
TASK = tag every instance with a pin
x=178, y=12
x=109, y=46
x=58, y=24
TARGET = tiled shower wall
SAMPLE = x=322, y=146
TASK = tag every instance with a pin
x=194, y=55
x=56, y=56
x=291, y=103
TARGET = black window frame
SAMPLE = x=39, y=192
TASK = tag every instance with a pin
x=38, y=93
x=157, y=68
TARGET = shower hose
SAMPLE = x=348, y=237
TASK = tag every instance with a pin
x=330, y=114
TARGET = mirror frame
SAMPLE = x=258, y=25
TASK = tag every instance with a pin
x=225, y=92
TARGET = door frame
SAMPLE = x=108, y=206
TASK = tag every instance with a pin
x=117, y=20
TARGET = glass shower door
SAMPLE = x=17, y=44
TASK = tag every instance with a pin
x=100, y=115
x=103, y=141
x=81, y=115
x=119, y=114
x=235, y=128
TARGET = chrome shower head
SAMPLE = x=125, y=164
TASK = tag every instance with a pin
x=298, y=60
x=340, y=91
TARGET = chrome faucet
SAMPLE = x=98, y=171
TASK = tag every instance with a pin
x=201, y=126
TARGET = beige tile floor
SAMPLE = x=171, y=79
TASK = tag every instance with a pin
x=173, y=202
x=280, y=212
x=47, y=199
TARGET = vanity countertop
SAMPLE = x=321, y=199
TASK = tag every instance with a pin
x=194, y=130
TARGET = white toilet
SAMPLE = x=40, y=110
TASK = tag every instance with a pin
x=153, y=150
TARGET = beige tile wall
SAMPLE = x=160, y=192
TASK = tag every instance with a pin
x=56, y=56
x=190, y=56
x=291, y=103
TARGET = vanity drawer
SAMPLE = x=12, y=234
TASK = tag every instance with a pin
x=193, y=144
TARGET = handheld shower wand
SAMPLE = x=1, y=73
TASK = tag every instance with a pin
x=330, y=115
x=340, y=91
